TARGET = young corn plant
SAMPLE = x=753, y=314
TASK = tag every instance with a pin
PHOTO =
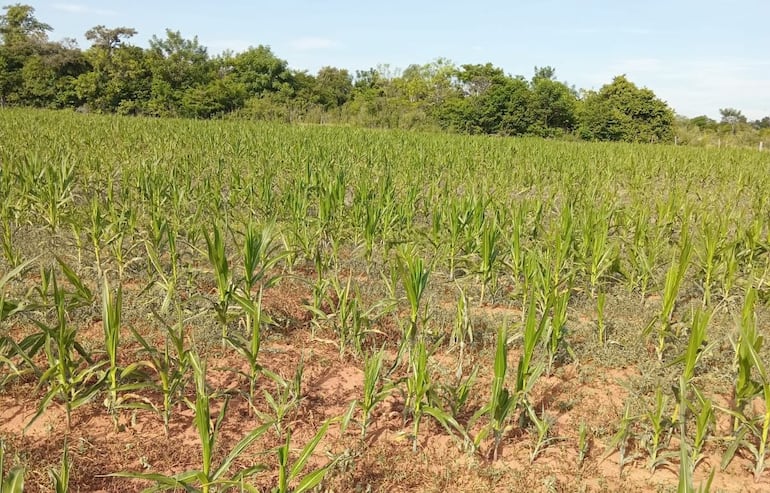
x=71, y=377
x=556, y=331
x=584, y=443
x=623, y=440
x=414, y=277
x=13, y=482
x=462, y=331
x=218, y=258
x=712, y=240
x=112, y=305
x=489, y=252
x=292, y=473
x=419, y=388
x=210, y=477
x=659, y=429
x=61, y=478
x=503, y=403
x=171, y=365
x=601, y=327
x=289, y=395
x=375, y=390
x=248, y=347
x=750, y=433
x=674, y=279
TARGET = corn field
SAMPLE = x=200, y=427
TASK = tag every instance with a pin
x=230, y=306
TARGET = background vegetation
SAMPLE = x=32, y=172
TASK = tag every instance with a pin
x=176, y=76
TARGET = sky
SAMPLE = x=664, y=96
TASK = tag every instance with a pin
x=697, y=55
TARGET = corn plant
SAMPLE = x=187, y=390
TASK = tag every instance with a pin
x=375, y=390
x=749, y=342
x=210, y=476
x=601, y=327
x=503, y=402
x=167, y=280
x=13, y=482
x=111, y=311
x=218, y=258
x=659, y=429
x=489, y=252
x=556, y=329
x=170, y=364
x=705, y=419
x=61, y=478
x=711, y=244
x=71, y=376
x=674, y=278
x=260, y=255
x=419, y=388
x=248, y=347
x=584, y=443
x=289, y=395
x=623, y=440
x=462, y=330
x=543, y=427
x=293, y=473
x=414, y=277
x=746, y=388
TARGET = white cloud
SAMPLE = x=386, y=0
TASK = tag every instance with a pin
x=309, y=43
x=76, y=8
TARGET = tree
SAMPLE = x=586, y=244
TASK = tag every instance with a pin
x=177, y=65
x=553, y=105
x=761, y=124
x=732, y=117
x=260, y=71
x=109, y=39
x=621, y=111
x=333, y=87
x=22, y=36
x=20, y=26
x=703, y=122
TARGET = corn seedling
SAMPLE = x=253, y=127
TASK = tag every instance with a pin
x=289, y=394
x=171, y=364
x=13, y=482
x=210, y=477
x=218, y=258
x=71, y=376
x=463, y=329
x=61, y=478
x=543, y=426
x=584, y=443
x=489, y=253
x=674, y=278
x=293, y=473
x=419, y=388
x=556, y=329
x=248, y=347
x=659, y=429
x=503, y=403
x=601, y=327
x=622, y=440
x=375, y=390
x=414, y=277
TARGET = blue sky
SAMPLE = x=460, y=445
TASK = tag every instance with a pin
x=698, y=56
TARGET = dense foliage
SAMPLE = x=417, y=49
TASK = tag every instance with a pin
x=177, y=77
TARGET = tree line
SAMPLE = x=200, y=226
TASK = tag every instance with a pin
x=177, y=77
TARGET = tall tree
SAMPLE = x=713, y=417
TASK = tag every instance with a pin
x=22, y=35
x=732, y=117
x=622, y=111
